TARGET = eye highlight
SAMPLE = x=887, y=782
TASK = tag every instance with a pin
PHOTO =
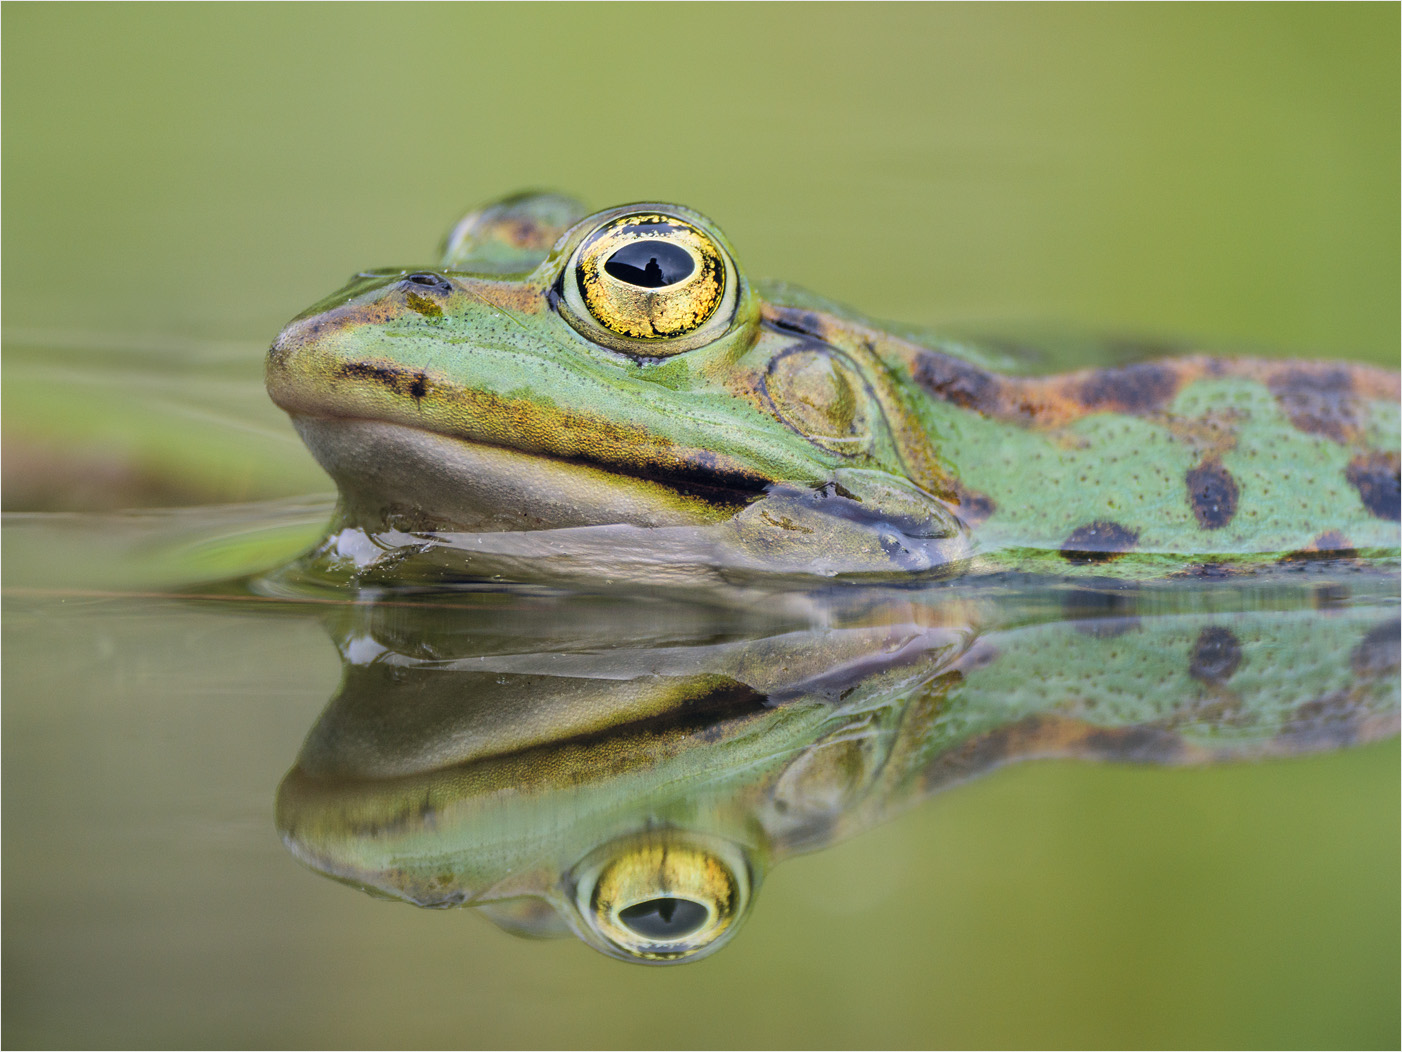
x=648, y=282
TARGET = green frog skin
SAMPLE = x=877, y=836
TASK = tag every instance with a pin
x=607, y=391
x=630, y=771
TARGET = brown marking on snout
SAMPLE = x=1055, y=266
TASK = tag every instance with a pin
x=411, y=382
x=1375, y=477
x=1213, y=494
x=1098, y=542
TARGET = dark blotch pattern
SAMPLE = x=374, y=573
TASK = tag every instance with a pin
x=1141, y=388
x=1318, y=401
x=1098, y=542
x=974, y=508
x=1375, y=477
x=1216, y=655
x=1213, y=494
x=956, y=382
x=409, y=382
x=1380, y=652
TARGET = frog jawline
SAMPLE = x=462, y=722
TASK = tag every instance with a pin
x=427, y=480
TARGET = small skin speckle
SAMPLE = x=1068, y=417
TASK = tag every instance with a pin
x=1097, y=542
x=1216, y=655
x=1213, y=494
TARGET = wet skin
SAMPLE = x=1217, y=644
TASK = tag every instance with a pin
x=612, y=394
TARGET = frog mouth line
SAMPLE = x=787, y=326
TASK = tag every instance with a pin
x=439, y=481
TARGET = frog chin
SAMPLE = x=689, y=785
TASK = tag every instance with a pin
x=444, y=503
x=396, y=477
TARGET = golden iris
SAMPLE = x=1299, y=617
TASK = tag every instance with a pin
x=663, y=898
x=650, y=276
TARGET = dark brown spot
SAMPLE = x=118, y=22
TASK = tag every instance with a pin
x=1318, y=401
x=1380, y=652
x=1216, y=655
x=974, y=507
x=1140, y=388
x=419, y=387
x=956, y=382
x=1097, y=542
x=1375, y=477
x=1213, y=494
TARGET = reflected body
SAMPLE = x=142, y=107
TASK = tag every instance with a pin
x=1104, y=554
x=611, y=396
x=629, y=771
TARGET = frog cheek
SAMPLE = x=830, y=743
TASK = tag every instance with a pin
x=662, y=898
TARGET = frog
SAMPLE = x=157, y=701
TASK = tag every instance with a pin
x=628, y=772
x=609, y=394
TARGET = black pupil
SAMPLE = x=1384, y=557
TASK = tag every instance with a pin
x=650, y=264
x=664, y=918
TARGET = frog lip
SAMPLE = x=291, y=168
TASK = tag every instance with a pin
x=450, y=481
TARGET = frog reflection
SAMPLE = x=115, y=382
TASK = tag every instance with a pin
x=508, y=754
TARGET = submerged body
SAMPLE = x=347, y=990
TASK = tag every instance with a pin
x=610, y=393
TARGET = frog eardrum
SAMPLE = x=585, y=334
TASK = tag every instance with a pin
x=649, y=283
x=662, y=897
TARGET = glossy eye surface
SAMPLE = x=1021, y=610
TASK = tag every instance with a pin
x=662, y=898
x=649, y=283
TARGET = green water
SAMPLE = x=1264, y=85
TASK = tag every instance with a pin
x=179, y=181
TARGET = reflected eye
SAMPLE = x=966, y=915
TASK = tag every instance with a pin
x=650, y=283
x=662, y=898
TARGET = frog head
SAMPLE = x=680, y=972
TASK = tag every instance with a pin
x=558, y=371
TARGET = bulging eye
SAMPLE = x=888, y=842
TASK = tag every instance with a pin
x=650, y=283
x=662, y=898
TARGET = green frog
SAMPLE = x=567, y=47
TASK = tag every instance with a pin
x=629, y=771
x=609, y=394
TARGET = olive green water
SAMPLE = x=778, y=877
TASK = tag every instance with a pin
x=180, y=181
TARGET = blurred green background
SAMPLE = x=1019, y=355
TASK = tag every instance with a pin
x=190, y=177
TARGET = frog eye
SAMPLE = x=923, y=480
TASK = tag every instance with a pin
x=662, y=898
x=649, y=283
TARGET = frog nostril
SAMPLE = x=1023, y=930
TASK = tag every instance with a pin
x=432, y=281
